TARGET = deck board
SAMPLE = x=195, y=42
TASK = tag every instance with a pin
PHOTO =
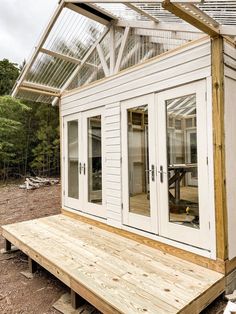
x=115, y=274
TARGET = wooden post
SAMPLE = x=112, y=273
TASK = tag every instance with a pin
x=76, y=300
x=219, y=147
x=7, y=245
x=32, y=265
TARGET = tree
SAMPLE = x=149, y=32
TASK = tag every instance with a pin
x=8, y=75
x=13, y=114
x=46, y=153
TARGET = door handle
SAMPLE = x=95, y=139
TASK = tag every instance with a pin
x=152, y=171
x=161, y=171
x=84, y=168
x=80, y=168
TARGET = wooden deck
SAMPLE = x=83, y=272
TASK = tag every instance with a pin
x=115, y=274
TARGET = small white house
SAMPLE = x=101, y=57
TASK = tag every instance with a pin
x=147, y=106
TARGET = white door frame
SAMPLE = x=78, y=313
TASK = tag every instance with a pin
x=196, y=237
x=131, y=219
x=92, y=208
x=68, y=201
x=82, y=203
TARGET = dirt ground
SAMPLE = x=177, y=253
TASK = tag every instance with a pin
x=19, y=295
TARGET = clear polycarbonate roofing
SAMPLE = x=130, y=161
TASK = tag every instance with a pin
x=69, y=56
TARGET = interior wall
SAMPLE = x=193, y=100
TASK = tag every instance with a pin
x=230, y=143
x=190, y=63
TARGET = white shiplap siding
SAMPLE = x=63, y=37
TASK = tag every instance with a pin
x=186, y=65
x=113, y=164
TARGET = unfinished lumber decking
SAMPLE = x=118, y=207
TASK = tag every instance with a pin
x=115, y=274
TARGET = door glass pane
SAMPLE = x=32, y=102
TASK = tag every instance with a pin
x=182, y=161
x=95, y=160
x=138, y=161
x=73, y=162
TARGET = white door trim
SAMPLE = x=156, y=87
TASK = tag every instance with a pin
x=131, y=219
x=196, y=237
x=88, y=207
x=82, y=203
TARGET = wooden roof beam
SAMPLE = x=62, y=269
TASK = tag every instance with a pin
x=162, y=26
x=37, y=91
x=142, y=12
x=40, y=87
x=65, y=57
x=166, y=34
x=198, y=20
x=90, y=12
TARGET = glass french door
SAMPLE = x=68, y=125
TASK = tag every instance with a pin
x=93, y=163
x=72, y=161
x=164, y=164
x=183, y=169
x=83, y=163
x=139, y=164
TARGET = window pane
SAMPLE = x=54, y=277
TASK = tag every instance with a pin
x=138, y=161
x=73, y=162
x=95, y=160
x=182, y=161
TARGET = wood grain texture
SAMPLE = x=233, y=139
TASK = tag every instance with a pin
x=219, y=147
x=114, y=273
x=217, y=265
x=190, y=17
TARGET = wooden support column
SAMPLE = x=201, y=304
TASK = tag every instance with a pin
x=76, y=300
x=219, y=147
x=33, y=266
x=7, y=245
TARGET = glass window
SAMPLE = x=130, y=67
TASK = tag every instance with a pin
x=73, y=161
x=182, y=161
x=95, y=160
x=138, y=161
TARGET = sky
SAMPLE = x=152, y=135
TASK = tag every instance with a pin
x=21, y=24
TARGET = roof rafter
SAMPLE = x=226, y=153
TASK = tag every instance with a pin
x=87, y=55
x=37, y=49
x=90, y=12
x=192, y=17
x=41, y=87
x=177, y=27
x=142, y=12
x=163, y=34
x=38, y=91
x=65, y=57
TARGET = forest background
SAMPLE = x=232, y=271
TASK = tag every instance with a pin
x=29, y=132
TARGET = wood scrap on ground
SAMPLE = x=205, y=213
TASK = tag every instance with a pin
x=32, y=183
x=63, y=305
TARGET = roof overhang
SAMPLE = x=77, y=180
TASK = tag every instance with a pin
x=180, y=20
